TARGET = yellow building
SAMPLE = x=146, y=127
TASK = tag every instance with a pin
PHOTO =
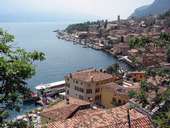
x=87, y=84
x=114, y=94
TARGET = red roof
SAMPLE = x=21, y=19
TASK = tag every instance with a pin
x=90, y=75
x=113, y=118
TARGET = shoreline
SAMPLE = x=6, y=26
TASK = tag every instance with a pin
x=85, y=44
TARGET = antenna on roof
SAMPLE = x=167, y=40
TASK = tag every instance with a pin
x=128, y=116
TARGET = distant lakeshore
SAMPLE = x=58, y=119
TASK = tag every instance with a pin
x=61, y=34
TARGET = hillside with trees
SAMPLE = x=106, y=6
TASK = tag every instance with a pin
x=157, y=7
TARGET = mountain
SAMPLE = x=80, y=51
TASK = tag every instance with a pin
x=157, y=7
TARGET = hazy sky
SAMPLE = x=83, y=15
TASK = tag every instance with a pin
x=99, y=8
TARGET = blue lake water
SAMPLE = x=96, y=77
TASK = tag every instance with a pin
x=62, y=57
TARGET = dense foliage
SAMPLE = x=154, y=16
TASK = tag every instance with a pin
x=168, y=55
x=78, y=27
x=16, y=66
x=113, y=69
x=166, y=14
x=136, y=42
x=162, y=118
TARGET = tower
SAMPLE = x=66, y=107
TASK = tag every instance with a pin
x=118, y=18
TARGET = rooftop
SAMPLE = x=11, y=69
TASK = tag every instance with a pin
x=119, y=90
x=137, y=72
x=62, y=110
x=112, y=118
x=90, y=75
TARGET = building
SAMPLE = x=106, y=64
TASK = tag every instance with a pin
x=114, y=94
x=133, y=52
x=87, y=84
x=119, y=117
x=63, y=110
x=153, y=59
x=136, y=76
x=120, y=48
x=118, y=18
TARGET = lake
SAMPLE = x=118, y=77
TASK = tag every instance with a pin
x=62, y=57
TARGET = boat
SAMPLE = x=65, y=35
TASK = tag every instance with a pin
x=74, y=43
x=84, y=46
x=50, y=89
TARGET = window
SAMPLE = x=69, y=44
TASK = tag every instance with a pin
x=67, y=85
x=113, y=100
x=97, y=83
x=98, y=97
x=97, y=90
x=80, y=97
x=119, y=102
x=76, y=82
x=88, y=91
x=67, y=92
x=79, y=89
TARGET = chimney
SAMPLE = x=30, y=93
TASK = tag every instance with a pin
x=91, y=102
x=128, y=117
x=67, y=100
x=70, y=75
x=92, y=78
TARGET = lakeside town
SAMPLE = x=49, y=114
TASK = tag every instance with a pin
x=137, y=41
x=112, y=97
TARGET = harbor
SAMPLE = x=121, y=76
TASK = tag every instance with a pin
x=44, y=95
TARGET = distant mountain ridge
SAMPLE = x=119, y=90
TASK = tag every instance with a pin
x=157, y=7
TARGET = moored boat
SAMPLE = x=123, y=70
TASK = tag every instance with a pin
x=50, y=89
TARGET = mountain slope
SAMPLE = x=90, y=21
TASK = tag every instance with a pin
x=157, y=7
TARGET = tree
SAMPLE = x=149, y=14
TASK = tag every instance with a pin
x=144, y=86
x=16, y=66
x=136, y=42
x=132, y=94
x=165, y=36
x=78, y=27
x=162, y=117
x=113, y=69
x=17, y=124
x=142, y=98
x=151, y=72
x=168, y=55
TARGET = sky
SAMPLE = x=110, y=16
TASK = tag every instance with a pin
x=65, y=9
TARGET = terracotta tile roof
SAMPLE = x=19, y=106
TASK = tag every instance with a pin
x=90, y=75
x=121, y=90
x=62, y=110
x=113, y=118
x=62, y=104
x=60, y=113
x=115, y=88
